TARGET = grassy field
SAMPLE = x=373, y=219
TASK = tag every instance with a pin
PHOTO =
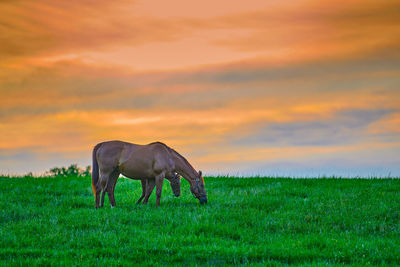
x=265, y=221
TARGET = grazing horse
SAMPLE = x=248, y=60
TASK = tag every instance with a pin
x=152, y=163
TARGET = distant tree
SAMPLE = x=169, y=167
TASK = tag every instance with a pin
x=87, y=171
x=72, y=170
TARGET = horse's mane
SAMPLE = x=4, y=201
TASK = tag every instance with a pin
x=173, y=151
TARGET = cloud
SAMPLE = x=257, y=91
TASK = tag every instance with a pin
x=341, y=128
x=49, y=28
x=95, y=31
x=76, y=85
x=314, y=29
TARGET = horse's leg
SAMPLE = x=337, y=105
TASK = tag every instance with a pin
x=159, y=183
x=143, y=182
x=149, y=189
x=98, y=191
x=100, y=188
x=103, y=193
x=111, y=187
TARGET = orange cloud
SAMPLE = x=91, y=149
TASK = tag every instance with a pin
x=141, y=37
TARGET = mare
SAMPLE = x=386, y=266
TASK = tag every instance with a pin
x=151, y=163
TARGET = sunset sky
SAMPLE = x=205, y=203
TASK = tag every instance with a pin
x=299, y=88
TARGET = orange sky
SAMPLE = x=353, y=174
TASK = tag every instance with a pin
x=299, y=88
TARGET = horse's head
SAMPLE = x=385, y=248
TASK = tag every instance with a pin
x=176, y=184
x=198, y=189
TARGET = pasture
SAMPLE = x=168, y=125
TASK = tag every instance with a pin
x=265, y=221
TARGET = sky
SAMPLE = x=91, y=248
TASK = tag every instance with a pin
x=277, y=88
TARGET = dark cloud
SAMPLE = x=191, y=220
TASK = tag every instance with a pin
x=313, y=70
x=344, y=128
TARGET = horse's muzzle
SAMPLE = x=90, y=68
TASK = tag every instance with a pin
x=203, y=200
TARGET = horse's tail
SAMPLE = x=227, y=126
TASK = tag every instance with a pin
x=95, y=169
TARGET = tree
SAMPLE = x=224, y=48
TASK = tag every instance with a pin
x=72, y=170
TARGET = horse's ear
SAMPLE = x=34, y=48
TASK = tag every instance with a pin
x=200, y=173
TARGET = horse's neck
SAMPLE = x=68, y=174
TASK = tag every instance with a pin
x=185, y=169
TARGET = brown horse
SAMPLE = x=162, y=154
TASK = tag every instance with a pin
x=152, y=163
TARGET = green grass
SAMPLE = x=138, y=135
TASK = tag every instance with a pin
x=265, y=221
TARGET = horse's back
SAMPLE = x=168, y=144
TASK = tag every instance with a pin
x=109, y=153
x=134, y=160
x=150, y=153
x=145, y=160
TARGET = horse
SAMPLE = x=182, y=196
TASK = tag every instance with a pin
x=152, y=162
x=174, y=180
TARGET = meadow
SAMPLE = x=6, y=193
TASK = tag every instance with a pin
x=255, y=221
